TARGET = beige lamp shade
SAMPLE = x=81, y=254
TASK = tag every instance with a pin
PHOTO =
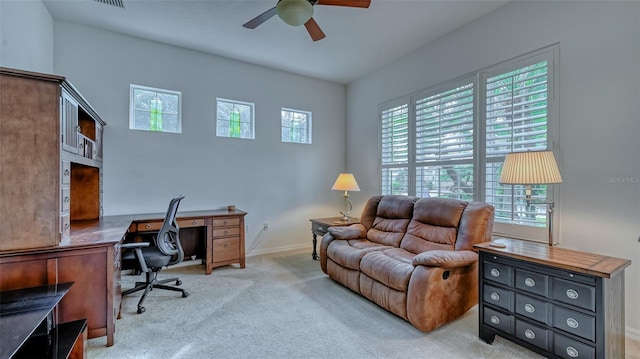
x=346, y=182
x=532, y=167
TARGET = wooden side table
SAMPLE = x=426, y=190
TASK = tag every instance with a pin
x=320, y=226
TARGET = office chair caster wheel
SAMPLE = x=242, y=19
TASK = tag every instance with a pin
x=178, y=282
x=141, y=310
x=185, y=294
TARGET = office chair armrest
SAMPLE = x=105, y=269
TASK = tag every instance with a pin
x=135, y=245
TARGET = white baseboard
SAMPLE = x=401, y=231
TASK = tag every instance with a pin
x=632, y=333
x=294, y=247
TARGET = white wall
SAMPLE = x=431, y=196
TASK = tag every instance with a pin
x=283, y=184
x=599, y=113
x=26, y=36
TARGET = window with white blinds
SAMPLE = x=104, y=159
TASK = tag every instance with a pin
x=451, y=140
x=395, y=150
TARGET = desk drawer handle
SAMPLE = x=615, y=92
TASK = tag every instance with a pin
x=572, y=352
x=67, y=173
x=495, y=319
x=321, y=228
x=66, y=199
x=529, y=308
x=529, y=334
x=66, y=226
x=226, y=222
x=226, y=232
x=226, y=245
x=495, y=296
x=572, y=323
x=529, y=282
x=147, y=226
x=194, y=222
x=495, y=272
x=572, y=294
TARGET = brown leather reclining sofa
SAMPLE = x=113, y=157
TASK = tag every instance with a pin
x=413, y=257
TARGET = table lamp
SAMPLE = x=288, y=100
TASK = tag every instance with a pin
x=346, y=182
x=532, y=167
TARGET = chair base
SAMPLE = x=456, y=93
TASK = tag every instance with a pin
x=151, y=283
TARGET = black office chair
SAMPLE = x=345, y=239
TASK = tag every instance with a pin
x=150, y=259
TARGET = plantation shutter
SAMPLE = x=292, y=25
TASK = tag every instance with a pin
x=395, y=149
x=516, y=121
x=444, y=143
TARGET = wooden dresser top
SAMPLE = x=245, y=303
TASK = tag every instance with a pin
x=581, y=262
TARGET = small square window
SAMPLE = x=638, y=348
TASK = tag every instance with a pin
x=296, y=126
x=152, y=109
x=235, y=119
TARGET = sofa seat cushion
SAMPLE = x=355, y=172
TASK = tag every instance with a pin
x=391, y=267
x=348, y=253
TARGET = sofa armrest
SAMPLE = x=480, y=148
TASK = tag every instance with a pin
x=354, y=231
x=445, y=259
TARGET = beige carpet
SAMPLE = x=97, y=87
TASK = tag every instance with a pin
x=280, y=307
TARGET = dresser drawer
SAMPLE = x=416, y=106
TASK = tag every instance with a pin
x=580, y=295
x=149, y=226
x=533, y=308
x=533, y=334
x=65, y=226
x=532, y=282
x=65, y=199
x=226, y=249
x=66, y=172
x=570, y=349
x=225, y=222
x=500, y=321
x=225, y=232
x=575, y=323
x=318, y=227
x=500, y=273
x=186, y=223
x=499, y=297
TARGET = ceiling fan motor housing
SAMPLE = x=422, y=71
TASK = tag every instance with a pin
x=294, y=12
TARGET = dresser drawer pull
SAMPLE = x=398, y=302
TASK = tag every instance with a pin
x=529, y=282
x=495, y=296
x=226, y=245
x=572, y=323
x=321, y=228
x=529, y=308
x=495, y=319
x=529, y=334
x=66, y=226
x=226, y=222
x=67, y=172
x=147, y=226
x=226, y=232
x=194, y=222
x=495, y=272
x=572, y=352
x=572, y=294
x=66, y=199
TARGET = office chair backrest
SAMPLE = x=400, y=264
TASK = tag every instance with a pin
x=168, y=240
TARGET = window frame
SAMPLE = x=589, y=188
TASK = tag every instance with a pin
x=132, y=106
x=308, y=126
x=252, y=126
x=479, y=160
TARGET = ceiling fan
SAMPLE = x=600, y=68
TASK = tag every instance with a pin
x=299, y=12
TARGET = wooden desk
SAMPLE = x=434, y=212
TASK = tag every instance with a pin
x=217, y=233
x=91, y=259
x=30, y=330
x=320, y=226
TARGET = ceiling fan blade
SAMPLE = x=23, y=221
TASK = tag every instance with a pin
x=314, y=30
x=256, y=21
x=350, y=3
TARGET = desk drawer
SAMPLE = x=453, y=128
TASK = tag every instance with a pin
x=148, y=226
x=226, y=232
x=186, y=223
x=318, y=227
x=500, y=273
x=226, y=249
x=226, y=222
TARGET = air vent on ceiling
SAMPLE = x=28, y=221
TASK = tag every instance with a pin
x=116, y=3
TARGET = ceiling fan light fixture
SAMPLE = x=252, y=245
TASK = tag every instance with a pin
x=294, y=12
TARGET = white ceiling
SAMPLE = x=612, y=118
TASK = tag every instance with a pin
x=358, y=40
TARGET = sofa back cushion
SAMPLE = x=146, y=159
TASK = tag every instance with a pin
x=386, y=218
x=447, y=224
x=434, y=225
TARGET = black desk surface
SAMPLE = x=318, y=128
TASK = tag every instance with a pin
x=22, y=311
